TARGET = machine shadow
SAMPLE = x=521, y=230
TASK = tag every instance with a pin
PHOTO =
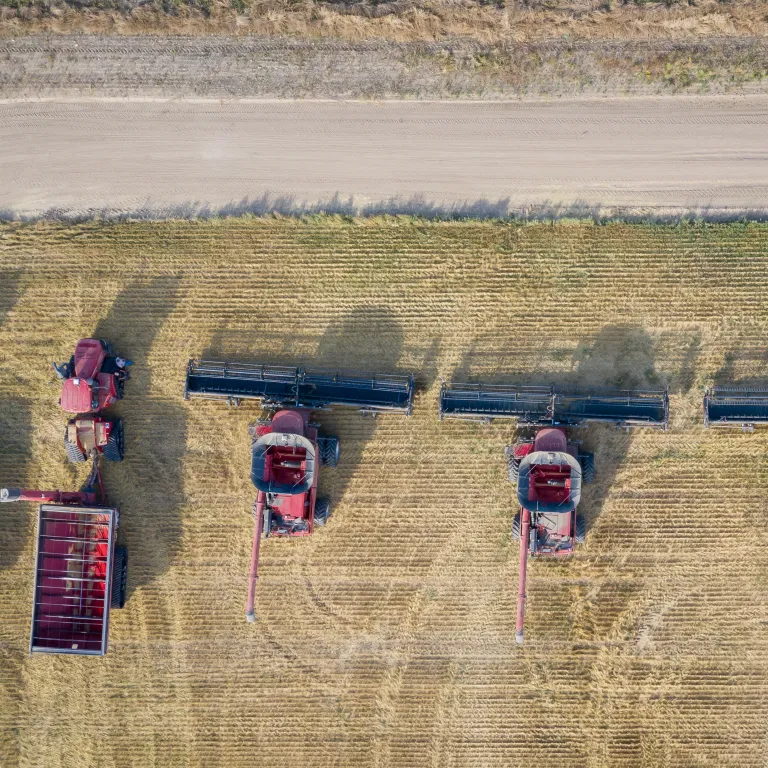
x=618, y=357
x=731, y=373
x=148, y=485
x=368, y=340
x=15, y=445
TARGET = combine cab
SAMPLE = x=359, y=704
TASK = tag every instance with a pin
x=287, y=449
x=548, y=468
x=92, y=380
x=80, y=573
x=736, y=407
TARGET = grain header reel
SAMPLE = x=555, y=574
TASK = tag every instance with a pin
x=549, y=468
x=287, y=449
x=737, y=407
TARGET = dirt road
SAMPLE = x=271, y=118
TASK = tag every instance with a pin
x=151, y=158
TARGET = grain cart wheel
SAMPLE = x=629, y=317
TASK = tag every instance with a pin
x=516, y=528
x=329, y=448
x=587, y=461
x=74, y=454
x=114, y=450
x=322, y=511
x=581, y=529
x=513, y=469
x=119, y=576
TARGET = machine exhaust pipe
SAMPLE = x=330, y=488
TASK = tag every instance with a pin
x=525, y=529
x=258, y=512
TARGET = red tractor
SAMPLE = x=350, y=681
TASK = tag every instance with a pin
x=93, y=379
x=287, y=450
x=549, y=469
x=80, y=572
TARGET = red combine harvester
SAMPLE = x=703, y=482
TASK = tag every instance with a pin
x=93, y=379
x=287, y=449
x=80, y=573
x=736, y=407
x=548, y=468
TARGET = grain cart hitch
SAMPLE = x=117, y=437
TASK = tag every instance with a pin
x=549, y=469
x=286, y=448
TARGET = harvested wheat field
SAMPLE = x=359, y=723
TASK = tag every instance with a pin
x=388, y=638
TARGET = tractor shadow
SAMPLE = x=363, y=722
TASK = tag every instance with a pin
x=149, y=484
x=15, y=446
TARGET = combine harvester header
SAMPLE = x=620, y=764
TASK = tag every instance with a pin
x=735, y=407
x=549, y=468
x=544, y=406
x=286, y=387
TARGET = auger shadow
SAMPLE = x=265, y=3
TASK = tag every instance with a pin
x=15, y=445
x=148, y=485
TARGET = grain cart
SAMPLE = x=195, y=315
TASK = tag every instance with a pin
x=80, y=573
x=287, y=449
x=736, y=407
x=549, y=469
x=92, y=380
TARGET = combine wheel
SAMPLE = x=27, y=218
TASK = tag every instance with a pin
x=74, y=454
x=114, y=450
x=513, y=469
x=322, y=511
x=581, y=529
x=516, y=528
x=119, y=576
x=329, y=448
x=587, y=461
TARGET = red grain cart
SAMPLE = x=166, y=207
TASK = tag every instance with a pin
x=80, y=573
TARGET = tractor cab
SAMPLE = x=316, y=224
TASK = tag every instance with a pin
x=92, y=380
x=284, y=469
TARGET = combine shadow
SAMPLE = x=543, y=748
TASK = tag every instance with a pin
x=729, y=374
x=367, y=340
x=15, y=446
x=148, y=485
x=618, y=357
